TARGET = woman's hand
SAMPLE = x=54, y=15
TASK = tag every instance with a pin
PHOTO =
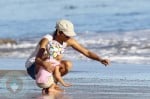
x=105, y=61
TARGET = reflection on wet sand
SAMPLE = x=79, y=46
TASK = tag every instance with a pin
x=54, y=96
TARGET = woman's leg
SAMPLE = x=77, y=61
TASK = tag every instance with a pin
x=31, y=71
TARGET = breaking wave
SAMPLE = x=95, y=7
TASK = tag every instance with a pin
x=127, y=47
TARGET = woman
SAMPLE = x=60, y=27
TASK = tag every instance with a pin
x=64, y=35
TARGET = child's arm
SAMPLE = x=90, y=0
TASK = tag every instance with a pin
x=59, y=78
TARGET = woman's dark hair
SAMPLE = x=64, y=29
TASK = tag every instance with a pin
x=54, y=34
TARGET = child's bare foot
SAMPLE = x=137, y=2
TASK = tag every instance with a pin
x=53, y=91
x=58, y=88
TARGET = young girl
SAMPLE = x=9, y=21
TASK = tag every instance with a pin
x=44, y=79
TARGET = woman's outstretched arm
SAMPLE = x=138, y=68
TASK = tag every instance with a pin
x=78, y=47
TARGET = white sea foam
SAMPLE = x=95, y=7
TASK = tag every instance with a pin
x=125, y=48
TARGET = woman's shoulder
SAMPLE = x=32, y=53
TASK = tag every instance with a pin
x=71, y=41
x=45, y=39
x=48, y=37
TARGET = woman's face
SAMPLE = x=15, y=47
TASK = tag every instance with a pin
x=63, y=36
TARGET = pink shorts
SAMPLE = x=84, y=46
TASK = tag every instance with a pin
x=43, y=75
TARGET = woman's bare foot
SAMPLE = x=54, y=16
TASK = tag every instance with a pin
x=43, y=91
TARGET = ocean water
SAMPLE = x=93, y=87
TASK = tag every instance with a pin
x=114, y=29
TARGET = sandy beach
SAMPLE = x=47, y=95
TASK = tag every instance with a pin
x=90, y=80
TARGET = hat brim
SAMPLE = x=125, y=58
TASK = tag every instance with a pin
x=70, y=34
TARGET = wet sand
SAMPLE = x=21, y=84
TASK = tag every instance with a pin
x=120, y=81
x=89, y=92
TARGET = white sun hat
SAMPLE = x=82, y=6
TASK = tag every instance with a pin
x=66, y=27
